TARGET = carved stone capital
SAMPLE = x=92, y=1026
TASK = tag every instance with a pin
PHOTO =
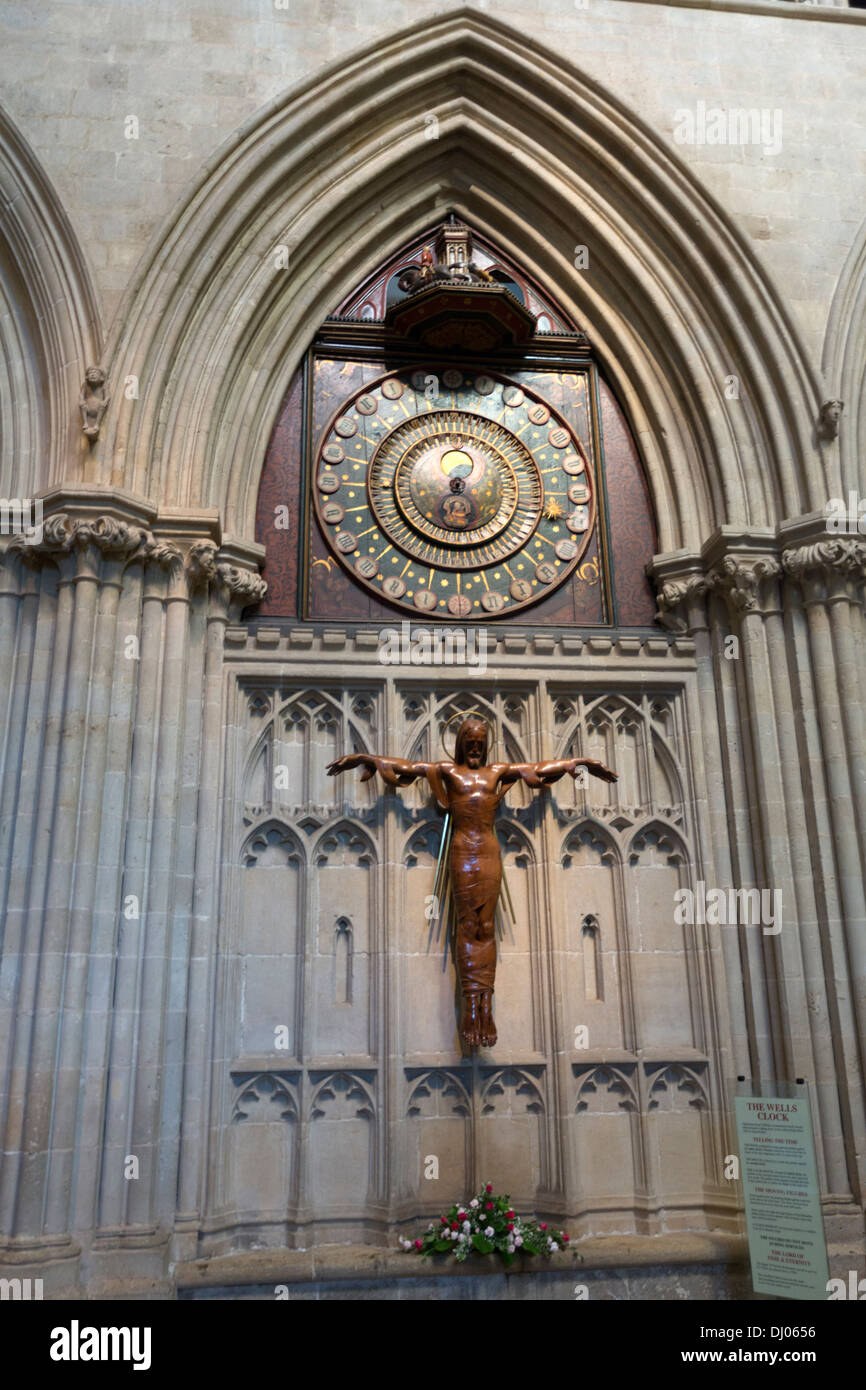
x=116, y=540
x=740, y=567
x=153, y=551
x=243, y=586
x=56, y=538
x=676, y=594
x=830, y=568
x=745, y=587
x=232, y=586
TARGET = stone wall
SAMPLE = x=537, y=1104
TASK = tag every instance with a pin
x=191, y=74
x=138, y=953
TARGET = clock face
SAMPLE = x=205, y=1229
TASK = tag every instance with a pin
x=459, y=495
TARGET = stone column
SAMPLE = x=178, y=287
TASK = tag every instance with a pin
x=827, y=600
x=797, y=736
x=226, y=589
x=103, y=683
x=102, y=548
x=684, y=604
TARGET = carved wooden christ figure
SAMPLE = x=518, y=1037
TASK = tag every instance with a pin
x=471, y=790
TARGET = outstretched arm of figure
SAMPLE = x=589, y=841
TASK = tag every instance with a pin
x=397, y=772
x=542, y=774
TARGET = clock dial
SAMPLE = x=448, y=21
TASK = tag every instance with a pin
x=454, y=493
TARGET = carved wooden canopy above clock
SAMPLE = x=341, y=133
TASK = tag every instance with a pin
x=450, y=451
x=450, y=302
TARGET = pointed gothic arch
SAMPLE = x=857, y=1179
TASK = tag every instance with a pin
x=844, y=366
x=50, y=329
x=538, y=157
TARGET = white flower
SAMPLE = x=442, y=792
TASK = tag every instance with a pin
x=474, y=1203
x=510, y=1249
x=518, y=1240
x=489, y=1232
x=467, y=1226
x=455, y=1235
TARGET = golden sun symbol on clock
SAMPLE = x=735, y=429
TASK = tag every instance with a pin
x=473, y=501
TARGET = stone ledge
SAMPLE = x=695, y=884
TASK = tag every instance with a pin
x=772, y=9
x=351, y=1262
x=554, y=652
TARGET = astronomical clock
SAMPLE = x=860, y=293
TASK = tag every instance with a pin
x=456, y=493
x=442, y=454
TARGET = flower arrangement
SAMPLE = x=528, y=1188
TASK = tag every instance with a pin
x=486, y=1225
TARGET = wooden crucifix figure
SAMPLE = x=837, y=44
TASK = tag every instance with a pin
x=471, y=790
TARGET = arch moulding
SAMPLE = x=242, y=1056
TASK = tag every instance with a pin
x=540, y=159
x=844, y=364
x=49, y=325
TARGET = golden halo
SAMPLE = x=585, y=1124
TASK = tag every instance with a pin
x=464, y=714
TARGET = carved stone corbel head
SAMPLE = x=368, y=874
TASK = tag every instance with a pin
x=93, y=401
x=829, y=418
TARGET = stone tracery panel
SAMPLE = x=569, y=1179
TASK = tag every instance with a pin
x=343, y=1156
x=590, y=874
x=665, y=987
x=303, y=732
x=518, y=984
x=270, y=949
x=438, y=1111
x=425, y=953
x=678, y=1131
x=640, y=739
x=344, y=862
x=512, y=1133
x=262, y=1153
x=605, y=1136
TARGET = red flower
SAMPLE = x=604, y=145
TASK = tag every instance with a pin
x=510, y=1226
x=417, y=1245
x=566, y=1237
x=510, y=1215
x=444, y=1220
x=454, y=1226
x=461, y=1216
x=489, y=1206
x=543, y=1226
x=489, y=1187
